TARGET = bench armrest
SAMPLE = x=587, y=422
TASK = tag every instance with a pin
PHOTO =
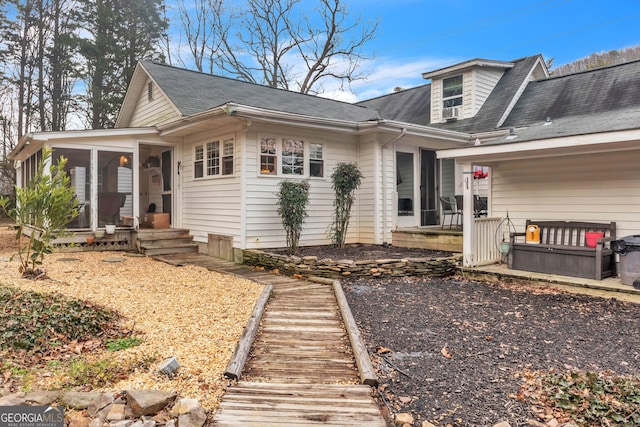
x=513, y=235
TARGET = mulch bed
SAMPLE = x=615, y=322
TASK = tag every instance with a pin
x=454, y=352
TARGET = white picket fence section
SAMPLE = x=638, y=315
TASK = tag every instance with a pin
x=487, y=240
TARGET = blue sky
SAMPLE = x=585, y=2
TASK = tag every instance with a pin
x=415, y=36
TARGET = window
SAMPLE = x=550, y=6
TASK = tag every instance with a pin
x=219, y=158
x=268, y=156
x=291, y=156
x=213, y=158
x=198, y=170
x=227, y=157
x=316, y=162
x=452, y=91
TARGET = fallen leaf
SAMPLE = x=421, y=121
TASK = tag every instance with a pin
x=383, y=350
x=446, y=353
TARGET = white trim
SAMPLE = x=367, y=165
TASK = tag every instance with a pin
x=590, y=143
x=462, y=66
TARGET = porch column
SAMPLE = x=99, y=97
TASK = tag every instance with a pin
x=468, y=223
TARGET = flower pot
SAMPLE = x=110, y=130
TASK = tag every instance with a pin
x=99, y=234
x=591, y=238
x=90, y=239
x=110, y=228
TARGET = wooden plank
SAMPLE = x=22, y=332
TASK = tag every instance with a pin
x=367, y=374
x=234, y=368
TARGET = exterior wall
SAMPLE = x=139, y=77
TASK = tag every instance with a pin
x=485, y=81
x=477, y=84
x=370, y=192
x=263, y=224
x=596, y=187
x=152, y=113
x=212, y=205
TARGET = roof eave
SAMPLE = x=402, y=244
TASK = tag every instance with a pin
x=549, y=147
x=456, y=68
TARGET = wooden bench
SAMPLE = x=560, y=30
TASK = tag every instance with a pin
x=562, y=250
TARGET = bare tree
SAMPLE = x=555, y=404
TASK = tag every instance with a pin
x=279, y=45
x=201, y=26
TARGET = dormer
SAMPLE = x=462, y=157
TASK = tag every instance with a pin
x=458, y=91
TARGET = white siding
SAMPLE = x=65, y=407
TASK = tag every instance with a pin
x=369, y=193
x=485, y=80
x=468, y=93
x=264, y=226
x=596, y=187
x=211, y=205
x=436, y=101
x=156, y=112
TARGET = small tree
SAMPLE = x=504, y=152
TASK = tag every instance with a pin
x=346, y=179
x=43, y=208
x=293, y=197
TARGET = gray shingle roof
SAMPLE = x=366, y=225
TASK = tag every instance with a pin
x=597, y=92
x=193, y=92
x=409, y=106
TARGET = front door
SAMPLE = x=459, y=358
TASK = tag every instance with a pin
x=428, y=188
x=156, y=180
x=406, y=188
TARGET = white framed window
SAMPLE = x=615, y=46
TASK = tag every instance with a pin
x=218, y=156
x=268, y=156
x=452, y=91
x=316, y=160
x=284, y=156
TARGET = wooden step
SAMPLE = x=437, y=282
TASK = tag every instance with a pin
x=153, y=242
x=164, y=250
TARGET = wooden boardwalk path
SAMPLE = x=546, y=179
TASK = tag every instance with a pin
x=301, y=368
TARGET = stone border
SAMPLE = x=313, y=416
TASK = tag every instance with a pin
x=328, y=268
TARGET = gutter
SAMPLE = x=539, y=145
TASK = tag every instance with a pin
x=394, y=140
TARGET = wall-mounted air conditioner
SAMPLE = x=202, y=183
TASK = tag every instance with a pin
x=451, y=113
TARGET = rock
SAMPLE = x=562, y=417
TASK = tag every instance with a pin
x=124, y=423
x=78, y=399
x=170, y=423
x=117, y=412
x=427, y=424
x=183, y=406
x=100, y=407
x=146, y=402
x=402, y=418
x=535, y=423
x=502, y=424
x=194, y=418
x=14, y=399
x=96, y=422
x=42, y=398
x=77, y=419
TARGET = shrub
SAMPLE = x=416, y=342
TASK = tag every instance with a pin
x=43, y=208
x=346, y=179
x=293, y=197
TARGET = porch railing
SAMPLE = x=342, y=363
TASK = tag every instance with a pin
x=487, y=241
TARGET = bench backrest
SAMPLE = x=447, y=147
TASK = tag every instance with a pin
x=570, y=233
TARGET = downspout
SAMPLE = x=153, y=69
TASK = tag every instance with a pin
x=397, y=138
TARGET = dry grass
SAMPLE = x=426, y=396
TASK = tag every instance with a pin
x=188, y=312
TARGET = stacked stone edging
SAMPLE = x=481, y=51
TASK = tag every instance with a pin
x=132, y=408
x=312, y=266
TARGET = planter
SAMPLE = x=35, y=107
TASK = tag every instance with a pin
x=90, y=239
x=110, y=228
x=591, y=238
x=99, y=234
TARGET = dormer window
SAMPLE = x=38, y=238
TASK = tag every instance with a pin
x=452, y=91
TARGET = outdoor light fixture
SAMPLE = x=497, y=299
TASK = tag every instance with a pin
x=124, y=160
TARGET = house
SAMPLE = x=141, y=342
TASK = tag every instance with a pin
x=209, y=151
